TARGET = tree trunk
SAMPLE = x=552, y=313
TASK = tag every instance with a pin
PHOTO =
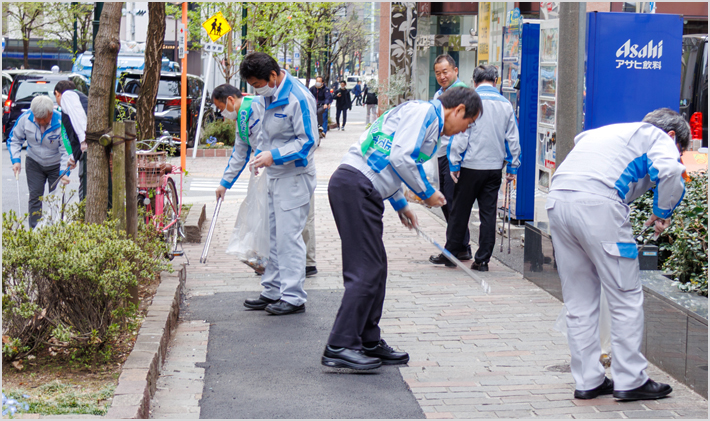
x=99, y=121
x=151, y=74
x=308, y=67
x=26, y=49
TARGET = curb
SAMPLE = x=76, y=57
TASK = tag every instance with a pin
x=193, y=224
x=139, y=375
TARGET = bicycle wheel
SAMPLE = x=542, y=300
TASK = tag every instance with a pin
x=170, y=212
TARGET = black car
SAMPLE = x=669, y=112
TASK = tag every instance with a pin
x=167, y=110
x=28, y=84
x=694, y=84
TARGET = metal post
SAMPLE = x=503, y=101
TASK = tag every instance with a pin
x=183, y=94
x=75, y=45
x=202, y=106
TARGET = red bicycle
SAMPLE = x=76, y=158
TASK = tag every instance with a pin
x=157, y=191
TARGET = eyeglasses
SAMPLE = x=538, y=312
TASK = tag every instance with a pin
x=472, y=125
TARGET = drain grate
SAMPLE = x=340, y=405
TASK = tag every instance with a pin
x=562, y=368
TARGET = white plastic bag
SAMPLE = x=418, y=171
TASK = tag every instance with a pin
x=250, y=238
x=431, y=169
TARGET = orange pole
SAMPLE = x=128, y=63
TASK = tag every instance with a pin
x=183, y=94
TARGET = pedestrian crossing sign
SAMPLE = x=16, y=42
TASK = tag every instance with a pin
x=216, y=26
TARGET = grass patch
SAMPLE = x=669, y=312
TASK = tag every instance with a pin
x=59, y=398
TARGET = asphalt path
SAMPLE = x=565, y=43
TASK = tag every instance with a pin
x=264, y=366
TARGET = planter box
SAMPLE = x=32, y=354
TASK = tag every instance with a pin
x=675, y=322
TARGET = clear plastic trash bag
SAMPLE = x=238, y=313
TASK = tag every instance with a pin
x=431, y=169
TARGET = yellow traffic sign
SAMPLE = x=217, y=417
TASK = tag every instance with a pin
x=216, y=26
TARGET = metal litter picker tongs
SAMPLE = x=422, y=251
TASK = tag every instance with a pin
x=203, y=258
x=469, y=272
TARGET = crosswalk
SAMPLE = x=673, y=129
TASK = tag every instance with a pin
x=240, y=188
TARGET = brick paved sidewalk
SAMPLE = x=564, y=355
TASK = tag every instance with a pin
x=472, y=355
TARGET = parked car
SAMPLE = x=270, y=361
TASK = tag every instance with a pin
x=694, y=84
x=167, y=110
x=125, y=62
x=6, y=84
x=28, y=84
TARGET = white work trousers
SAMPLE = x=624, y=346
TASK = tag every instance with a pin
x=588, y=232
x=289, y=201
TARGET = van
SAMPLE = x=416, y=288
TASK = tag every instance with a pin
x=351, y=81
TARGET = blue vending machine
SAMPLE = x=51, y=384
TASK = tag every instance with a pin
x=519, y=73
x=633, y=66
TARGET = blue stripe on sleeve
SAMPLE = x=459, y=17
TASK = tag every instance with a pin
x=229, y=184
x=301, y=156
x=398, y=204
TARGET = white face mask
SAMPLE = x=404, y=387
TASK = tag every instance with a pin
x=318, y=84
x=230, y=115
x=265, y=91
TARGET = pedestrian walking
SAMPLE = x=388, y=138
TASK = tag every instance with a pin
x=392, y=150
x=248, y=112
x=74, y=107
x=323, y=100
x=607, y=169
x=447, y=75
x=370, y=99
x=40, y=127
x=476, y=160
x=343, y=103
x=357, y=91
x=287, y=142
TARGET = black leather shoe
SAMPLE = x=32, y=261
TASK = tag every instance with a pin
x=441, y=260
x=282, y=307
x=387, y=354
x=258, y=304
x=465, y=255
x=310, y=271
x=650, y=390
x=348, y=358
x=481, y=267
x=606, y=388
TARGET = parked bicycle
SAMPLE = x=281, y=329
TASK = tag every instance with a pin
x=157, y=191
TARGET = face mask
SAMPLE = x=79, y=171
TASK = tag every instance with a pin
x=319, y=85
x=230, y=115
x=265, y=91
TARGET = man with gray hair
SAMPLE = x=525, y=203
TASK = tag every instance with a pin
x=607, y=169
x=476, y=160
x=40, y=127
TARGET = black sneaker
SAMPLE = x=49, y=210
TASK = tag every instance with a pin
x=348, y=358
x=481, y=267
x=606, y=388
x=441, y=260
x=387, y=354
x=311, y=271
x=281, y=307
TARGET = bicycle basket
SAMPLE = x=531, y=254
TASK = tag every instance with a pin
x=149, y=168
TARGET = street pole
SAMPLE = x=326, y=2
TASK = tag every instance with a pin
x=202, y=107
x=243, y=83
x=183, y=92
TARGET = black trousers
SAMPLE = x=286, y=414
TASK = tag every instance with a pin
x=319, y=114
x=358, y=208
x=37, y=177
x=345, y=116
x=82, y=176
x=481, y=185
x=358, y=99
x=446, y=186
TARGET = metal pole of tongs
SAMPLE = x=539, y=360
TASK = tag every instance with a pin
x=203, y=259
x=502, y=228
x=510, y=193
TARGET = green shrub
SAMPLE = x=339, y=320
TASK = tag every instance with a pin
x=683, y=247
x=222, y=130
x=66, y=284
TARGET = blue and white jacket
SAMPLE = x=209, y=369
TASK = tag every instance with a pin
x=445, y=139
x=289, y=129
x=411, y=135
x=47, y=149
x=622, y=162
x=242, y=149
x=493, y=141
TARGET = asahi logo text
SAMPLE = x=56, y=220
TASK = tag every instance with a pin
x=628, y=50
